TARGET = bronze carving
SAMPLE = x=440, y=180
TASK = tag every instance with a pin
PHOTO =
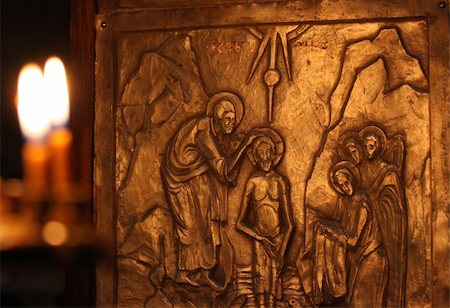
x=346, y=104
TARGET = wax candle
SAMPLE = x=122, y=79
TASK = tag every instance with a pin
x=35, y=125
x=60, y=140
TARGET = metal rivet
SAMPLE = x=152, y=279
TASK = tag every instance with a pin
x=442, y=4
x=103, y=24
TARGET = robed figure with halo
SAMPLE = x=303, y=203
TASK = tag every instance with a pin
x=196, y=174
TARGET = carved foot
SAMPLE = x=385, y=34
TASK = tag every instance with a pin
x=202, y=278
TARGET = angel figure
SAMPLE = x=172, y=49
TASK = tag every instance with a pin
x=381, y=178
x=349, y=147
x=266, y=217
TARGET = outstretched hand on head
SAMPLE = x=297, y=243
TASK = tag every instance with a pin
x=252, y=135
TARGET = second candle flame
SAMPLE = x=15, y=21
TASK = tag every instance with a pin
x=56, y=92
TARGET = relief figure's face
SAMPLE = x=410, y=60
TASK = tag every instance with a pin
x=353, y=150
x=224, y=117
x=344, y=183
x=265, y=156
x=228, y=122
x=371, y=146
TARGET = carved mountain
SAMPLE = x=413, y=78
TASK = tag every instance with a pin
x=157, y=98
x=401, y=68
x=178, y=50
x=146, y=262
x=159, y=90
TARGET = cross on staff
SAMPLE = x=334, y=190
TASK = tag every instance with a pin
x=270, y=37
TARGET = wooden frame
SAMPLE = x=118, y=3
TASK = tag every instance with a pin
x=80, y=281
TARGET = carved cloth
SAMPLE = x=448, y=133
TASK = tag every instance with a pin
x=328, y=275
x=383, y=185
x=367, y=260
x=267, y=270
x=195, y=180
x=332, y=270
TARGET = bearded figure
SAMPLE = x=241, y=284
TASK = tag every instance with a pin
x=196, y=174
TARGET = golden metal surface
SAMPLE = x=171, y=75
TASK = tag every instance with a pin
x=286, y=154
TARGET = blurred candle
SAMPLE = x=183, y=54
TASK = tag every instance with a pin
x=60, y=140
x=35, y=125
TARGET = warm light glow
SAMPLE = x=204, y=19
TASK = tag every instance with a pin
x=56, y=91
x=54, y=233
x=32, y=107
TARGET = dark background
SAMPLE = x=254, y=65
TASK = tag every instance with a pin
x=31, y=31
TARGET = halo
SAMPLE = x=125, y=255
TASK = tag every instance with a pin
x=341, y=143
x=344, y=165
x=226, y=96
x=273, y=136
x=375, y=130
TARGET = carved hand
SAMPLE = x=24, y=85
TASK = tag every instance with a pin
x=267, y=242
x=269, y=246
x=252, y=136
x=237, y=141
x=322, y=228
x=342, y=238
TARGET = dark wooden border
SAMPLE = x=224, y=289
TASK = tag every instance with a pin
x=80, y=279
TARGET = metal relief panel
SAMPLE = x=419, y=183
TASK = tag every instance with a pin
x=276, y=164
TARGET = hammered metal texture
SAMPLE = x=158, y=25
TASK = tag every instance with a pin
x=269, y=164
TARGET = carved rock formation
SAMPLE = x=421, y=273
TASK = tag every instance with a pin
x=158, y=97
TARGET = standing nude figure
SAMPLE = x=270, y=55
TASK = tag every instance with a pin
x=266, y=217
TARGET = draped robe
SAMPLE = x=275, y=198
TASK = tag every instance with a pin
x=195, y=178
x=382, y=182
x=334, y=269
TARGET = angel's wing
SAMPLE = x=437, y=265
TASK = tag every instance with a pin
x=395, y=152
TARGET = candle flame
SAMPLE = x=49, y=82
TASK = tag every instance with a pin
x=32, y=107
x=56, y=91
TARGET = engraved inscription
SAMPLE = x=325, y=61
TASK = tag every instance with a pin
x=314, y=43
x=226, y=47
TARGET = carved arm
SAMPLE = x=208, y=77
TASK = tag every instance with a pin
x=362, y=219
x=287, y=209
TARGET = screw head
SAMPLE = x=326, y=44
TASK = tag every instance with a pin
x=103, y=24
x=442, y=4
